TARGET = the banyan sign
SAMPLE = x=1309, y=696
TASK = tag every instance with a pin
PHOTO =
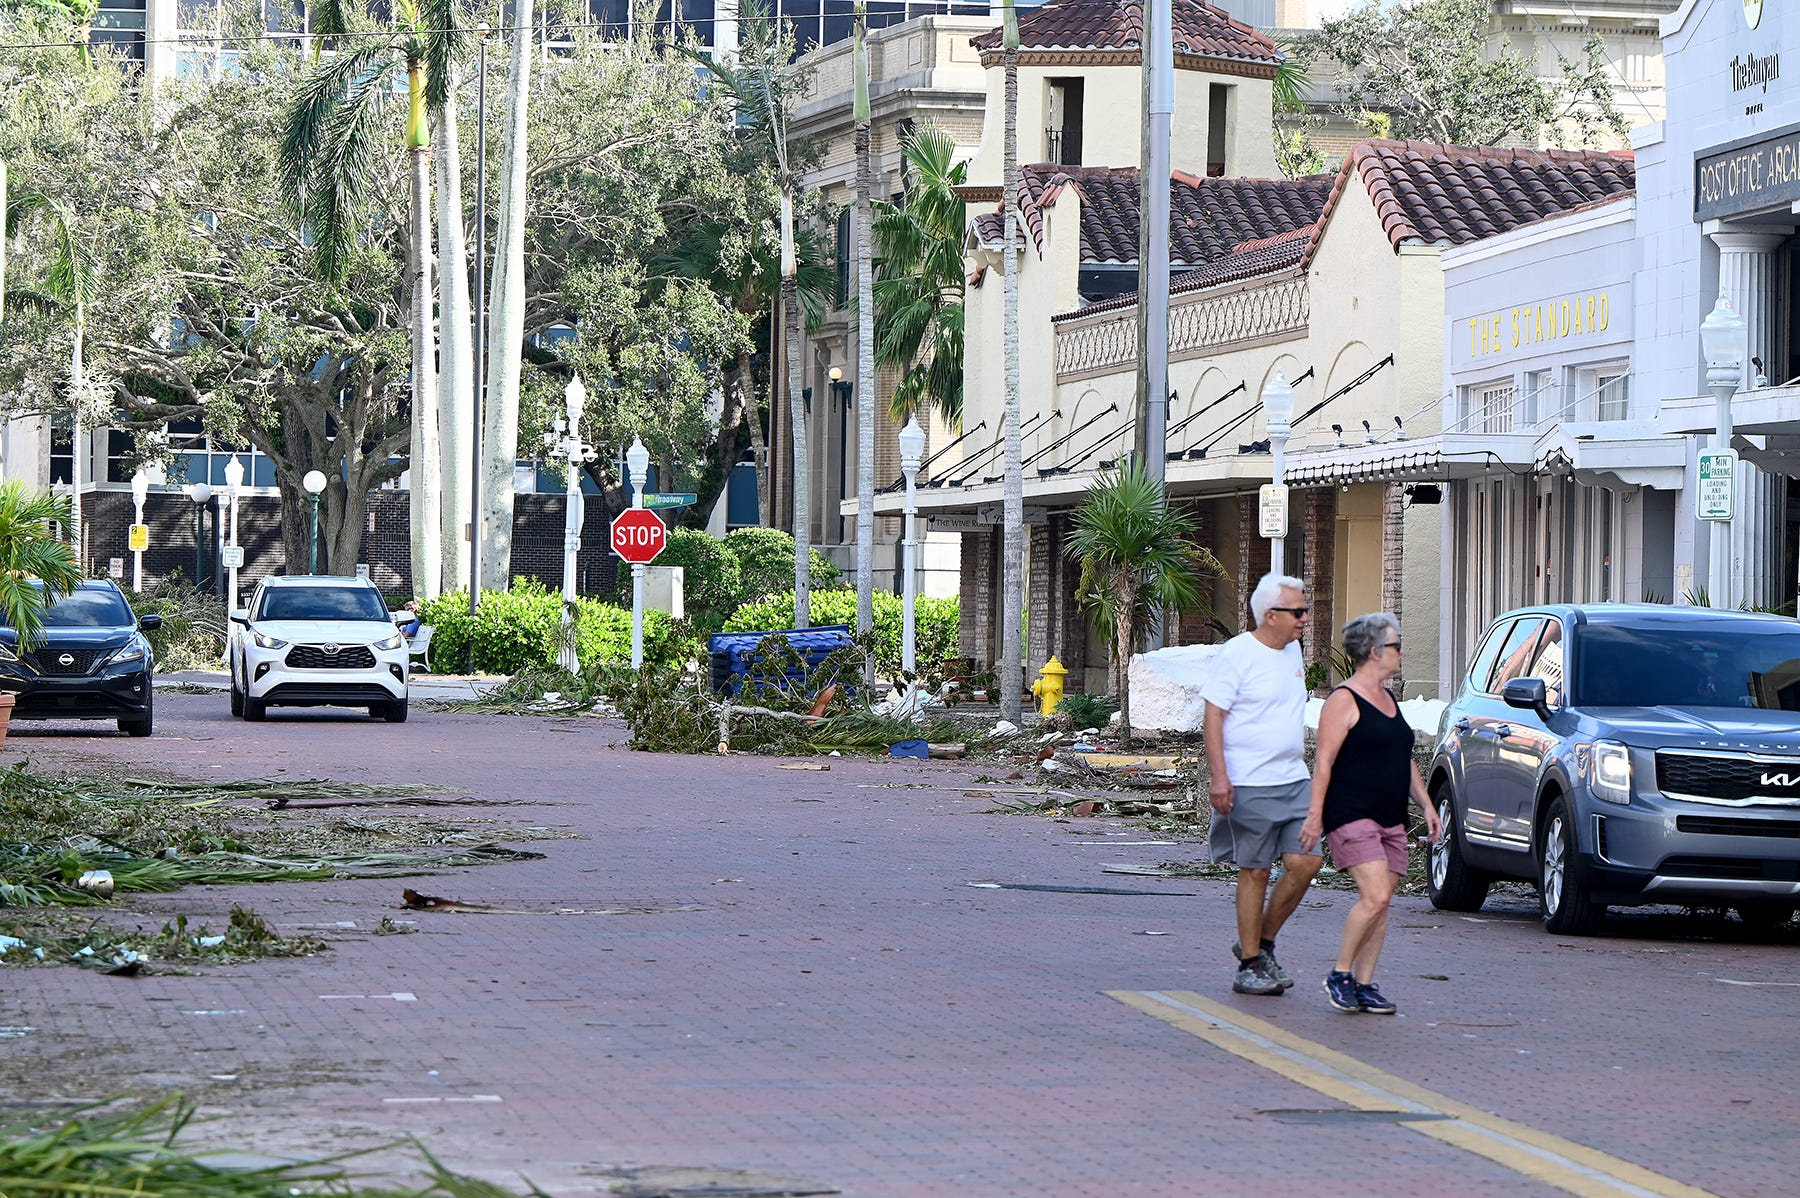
x=1749, y=176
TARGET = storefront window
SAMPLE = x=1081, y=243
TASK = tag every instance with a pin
x=1493, y=408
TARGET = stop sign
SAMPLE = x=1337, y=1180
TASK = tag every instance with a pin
x=638, y=535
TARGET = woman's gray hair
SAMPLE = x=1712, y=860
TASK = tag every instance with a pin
x=1268, y=593
x=1365, y=634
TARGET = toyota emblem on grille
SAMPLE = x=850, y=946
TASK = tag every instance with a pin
x=331, y=649
x=67, y=659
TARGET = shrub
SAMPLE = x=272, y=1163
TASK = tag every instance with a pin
x=519, y=628
x=935, y=623
x=192, y=636
x=765, y=558
x=1085, y=710
x=711, y=582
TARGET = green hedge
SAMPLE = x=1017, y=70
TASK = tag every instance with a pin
x=935, y=623
x=519, y=628
x=765, y=558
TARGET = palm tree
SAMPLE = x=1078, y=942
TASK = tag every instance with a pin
x=865, y=352
x=1012, y=555
x=31, y=552
x=1138, y=556
x=327, y=160
x=919, y=278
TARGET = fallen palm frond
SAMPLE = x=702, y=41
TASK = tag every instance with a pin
x=110, y=950
x=539, y=690
x=96, y=1152
x=286, y=790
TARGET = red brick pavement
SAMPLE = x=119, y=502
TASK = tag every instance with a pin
x=846, y=1010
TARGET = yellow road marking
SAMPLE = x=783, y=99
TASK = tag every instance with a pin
x=1538, y=1155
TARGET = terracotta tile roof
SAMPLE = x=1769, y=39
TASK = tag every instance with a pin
x=1450, y=195
x=1252, y=259
x=1201, y=31
x=1208, y=218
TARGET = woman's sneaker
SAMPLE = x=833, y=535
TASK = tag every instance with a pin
x=1341, y=989
x=1269, y=963
x=1370, y=999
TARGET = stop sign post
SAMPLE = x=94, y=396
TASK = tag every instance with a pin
x=638, y=535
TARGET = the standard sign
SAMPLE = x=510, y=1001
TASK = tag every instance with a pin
x=1716, y=496
x=1272, y=508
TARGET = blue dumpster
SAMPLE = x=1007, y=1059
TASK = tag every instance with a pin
x=733, y=657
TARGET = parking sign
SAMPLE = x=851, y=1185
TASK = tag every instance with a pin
x=1716, y=496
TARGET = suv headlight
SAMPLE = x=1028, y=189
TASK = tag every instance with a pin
x=1609, y=771
x=393, y=642
x=264, y=641
x=134, y=651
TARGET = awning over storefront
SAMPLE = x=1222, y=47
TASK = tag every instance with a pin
x=1616, y=454
x=1437, y=458
x=1764, y=411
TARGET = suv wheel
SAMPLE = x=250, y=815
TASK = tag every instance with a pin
x=396, y=712
x=143, y=725
x=1568, y=911
x=255, y=709
x=237, y=696
x=1765, y=918
x=1451, y=883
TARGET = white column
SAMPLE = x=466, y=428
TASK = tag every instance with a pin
x=1747, y=278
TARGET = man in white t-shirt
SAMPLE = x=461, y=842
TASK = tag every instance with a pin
x=1255, y=692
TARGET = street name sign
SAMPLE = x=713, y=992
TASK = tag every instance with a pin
x=1716, y=496
x=669, y=499
x=1272, y=509
x=638, y=535
x=138, y=539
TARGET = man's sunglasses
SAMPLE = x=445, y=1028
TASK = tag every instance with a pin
x=1299, y=613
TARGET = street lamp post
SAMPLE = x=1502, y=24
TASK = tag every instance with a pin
x=912, y=448
x=314, y=482
x=201, y=494
x=234, y=486
x=637, y=460
x=1278, y=415
x=140, y=487
x=570, y=447
x=1722, y=340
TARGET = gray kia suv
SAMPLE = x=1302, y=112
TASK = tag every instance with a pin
x=1621, y=755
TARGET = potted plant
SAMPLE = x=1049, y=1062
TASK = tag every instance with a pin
x=36, y=566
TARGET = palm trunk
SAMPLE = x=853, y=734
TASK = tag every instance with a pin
x=1125, y=635
x=426, y=493
x=1012, y=562
x=865, y=386
x=456, y=387
x=752, y=416
x=77, y=385
x=506, y=307
x=790, y=307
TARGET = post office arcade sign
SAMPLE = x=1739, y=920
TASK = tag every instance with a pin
x=1748, y=176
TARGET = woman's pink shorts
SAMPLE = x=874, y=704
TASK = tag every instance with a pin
x=1364, y=840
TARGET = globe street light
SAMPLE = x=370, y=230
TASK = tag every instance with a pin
x=912, y=448
x=637, y=461
x=1723, y=341
x=201, y=494
x=140, y=487
x=1278, y=415
x=314, y=482
x=574, y=452
x=234, y=485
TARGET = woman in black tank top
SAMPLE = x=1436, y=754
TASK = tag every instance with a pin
x=1363, y=773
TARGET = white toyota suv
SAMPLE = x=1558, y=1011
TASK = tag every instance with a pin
x=313, y=641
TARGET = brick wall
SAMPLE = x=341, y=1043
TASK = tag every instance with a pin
x=978, y=595
x=1071, y=620
x=1040, y=588
x=1393, y=556
x=1250, y=567
x=1319, y=549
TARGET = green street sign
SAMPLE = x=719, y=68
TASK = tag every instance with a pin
x=1716, y=496
x=669, y=499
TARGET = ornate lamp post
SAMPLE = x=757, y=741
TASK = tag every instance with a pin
x=637, y=461
x=912, y=449
x=140, y=487
x=201, y=494
x=314, y=482
x=566, y=443
x=234, y=486
x=1278, y=415
x=1723, y=341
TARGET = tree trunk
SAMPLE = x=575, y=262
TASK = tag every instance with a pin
x=790, y=307
x=77, y=385
x=506, y=308
x=759, y=446
x=1125, y=636
x=865, y=397
x=1013, y=495
x=422, y=456
x=456, y=386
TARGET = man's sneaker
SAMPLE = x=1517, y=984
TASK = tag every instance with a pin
x=1254, y=978
x=1274, y=967
x=1370, y=999
x=1341, y=989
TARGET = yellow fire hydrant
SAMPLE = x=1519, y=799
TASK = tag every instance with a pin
x=1049, y=686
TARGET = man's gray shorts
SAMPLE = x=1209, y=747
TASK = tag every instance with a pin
x=1264, y=825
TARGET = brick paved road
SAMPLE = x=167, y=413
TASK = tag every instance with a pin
x=845, y=1010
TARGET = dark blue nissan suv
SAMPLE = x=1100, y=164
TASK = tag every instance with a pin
x=92, y=662
x=1621, y=755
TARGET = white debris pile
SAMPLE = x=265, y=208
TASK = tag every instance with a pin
x=1165, y=688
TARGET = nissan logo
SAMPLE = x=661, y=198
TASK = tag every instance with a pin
x=67, y=659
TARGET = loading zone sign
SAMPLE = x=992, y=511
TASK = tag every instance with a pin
x=1716, y=496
